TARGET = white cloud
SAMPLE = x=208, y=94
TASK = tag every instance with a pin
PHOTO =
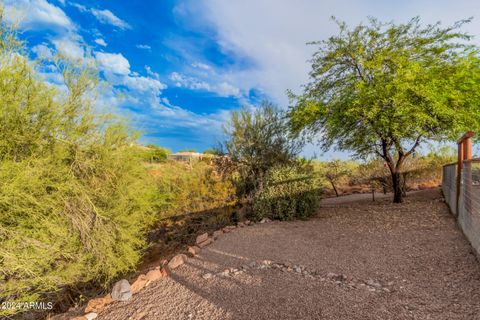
x=43, y=52
x=201, y=65
x=101, y=42
x=37, y=14
x=116, y=69
x=222, y=89
x=114, y=63
x=79, y=6
x=226, y=90
x=69, y=47
x=151, y=73
x=144, y=84
x=273, y=34
x=143, y=46
x=107, y=17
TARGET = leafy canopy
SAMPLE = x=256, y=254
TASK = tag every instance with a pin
x=384, y=88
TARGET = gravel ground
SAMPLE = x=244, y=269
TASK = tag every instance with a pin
x=355, y=260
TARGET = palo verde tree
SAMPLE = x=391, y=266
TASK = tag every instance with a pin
x=382, y=89
x=75, y=201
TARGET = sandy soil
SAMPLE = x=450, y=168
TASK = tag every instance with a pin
x=415, y=258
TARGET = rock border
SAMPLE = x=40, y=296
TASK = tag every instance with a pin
x=122, y=290
x=340, y=280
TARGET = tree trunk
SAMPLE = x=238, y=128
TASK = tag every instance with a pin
x=334, y=188
x=397, y=187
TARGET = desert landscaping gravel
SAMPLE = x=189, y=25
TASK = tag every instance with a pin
x=354, y=260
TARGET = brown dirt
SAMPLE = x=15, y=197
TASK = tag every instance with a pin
x=414, y=248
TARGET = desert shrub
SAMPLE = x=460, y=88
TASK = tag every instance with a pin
x=191, y=187
x=153, y=153
x=290, y=192
x=75, y=201
x=257, y=141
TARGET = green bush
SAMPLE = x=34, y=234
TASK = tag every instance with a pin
x=153, y=153
x=75, y=200
x=290, y=192
x=191, y=187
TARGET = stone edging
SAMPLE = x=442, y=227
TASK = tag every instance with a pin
x=338, y=279
x=122, y=290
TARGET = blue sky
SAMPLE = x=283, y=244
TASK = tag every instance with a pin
x=177, y=68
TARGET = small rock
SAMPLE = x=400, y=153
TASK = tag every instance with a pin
x=240, y=224
x=207, y=276
x=98, y=304
x=205, y=243
x=372, y=283
x=225, y=272
x=267, y=262
x=247, y=222
x=91, y=316
x=201, y=238
x=226, y=230
x=177, y=261
x=164, y=262
x=140, y=315
x=154, y=275
x=386, y=289
x=121, y=291
x=217, y=234
x=298, y=270
x=331, y=275
x=194, y=250
x=252, y=264
x=164, y=272
x=139, y=284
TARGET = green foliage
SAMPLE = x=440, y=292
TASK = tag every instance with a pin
x=186, y=188
x=153, y=153
x=419, y=171
x=290, y=192
x=335, y=171
x=258, y=141
x=214, y=152
x=383, y=89
x=75, y=201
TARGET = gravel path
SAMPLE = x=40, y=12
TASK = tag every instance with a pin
x=355, y=260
